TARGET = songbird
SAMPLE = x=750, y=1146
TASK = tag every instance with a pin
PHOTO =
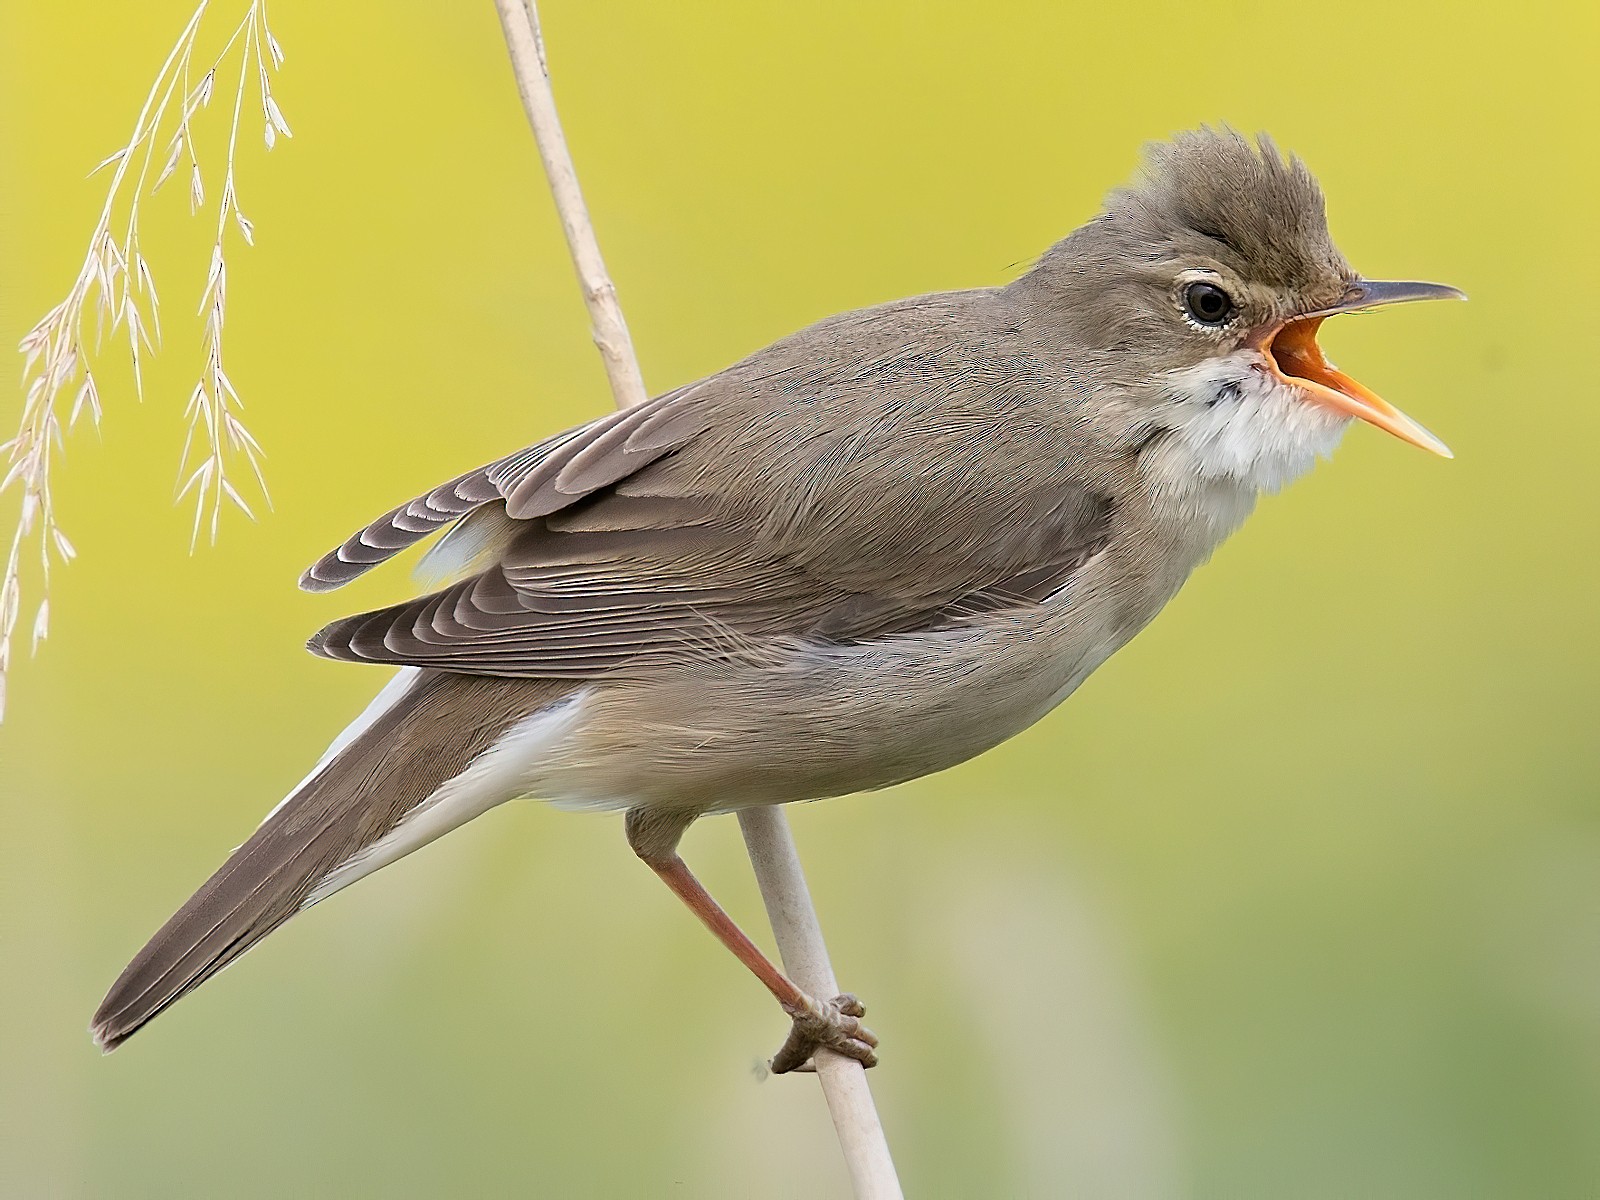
x=868, y=552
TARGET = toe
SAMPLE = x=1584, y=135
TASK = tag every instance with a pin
x=850, y=1005
x=793, y=1055
x=848, y=1025
x=858, y=1050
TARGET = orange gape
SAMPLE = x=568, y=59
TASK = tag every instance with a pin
x=1296, y=357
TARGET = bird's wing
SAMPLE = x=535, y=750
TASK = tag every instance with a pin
x=541, y=478
x=774, y=502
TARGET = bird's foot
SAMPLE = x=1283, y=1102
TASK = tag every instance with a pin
x=835, y=1025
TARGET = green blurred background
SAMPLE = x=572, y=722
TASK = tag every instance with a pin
x=1299, y=897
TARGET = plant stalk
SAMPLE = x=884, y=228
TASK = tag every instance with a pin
x=766, y=830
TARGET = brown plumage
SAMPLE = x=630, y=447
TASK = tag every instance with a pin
x=649, y=531
x=869, y=551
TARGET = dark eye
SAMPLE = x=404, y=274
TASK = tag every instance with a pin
x=1208, y=304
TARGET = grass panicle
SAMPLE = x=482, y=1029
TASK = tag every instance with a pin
x=114, y=301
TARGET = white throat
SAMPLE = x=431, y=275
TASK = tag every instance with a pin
x=1230, y=431
x=1233, y=419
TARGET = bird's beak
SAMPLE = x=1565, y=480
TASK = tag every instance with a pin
x=1292, y=351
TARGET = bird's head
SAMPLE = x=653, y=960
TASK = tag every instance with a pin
x=1197, y=293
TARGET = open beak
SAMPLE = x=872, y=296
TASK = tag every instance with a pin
x=1294, y=356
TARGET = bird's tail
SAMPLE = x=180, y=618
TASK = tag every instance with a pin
x=429, y=754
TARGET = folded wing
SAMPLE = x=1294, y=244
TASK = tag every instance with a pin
x=774, y=501
x=542, y=478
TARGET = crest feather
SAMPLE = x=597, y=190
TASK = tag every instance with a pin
x=1250, y=198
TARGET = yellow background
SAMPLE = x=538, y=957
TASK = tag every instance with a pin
x=1299, y=897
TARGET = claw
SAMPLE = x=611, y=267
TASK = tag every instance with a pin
x=835, y=1025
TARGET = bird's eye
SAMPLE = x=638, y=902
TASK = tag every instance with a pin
x=1208, y=304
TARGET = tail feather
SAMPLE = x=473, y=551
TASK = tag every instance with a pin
x=430, y=729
